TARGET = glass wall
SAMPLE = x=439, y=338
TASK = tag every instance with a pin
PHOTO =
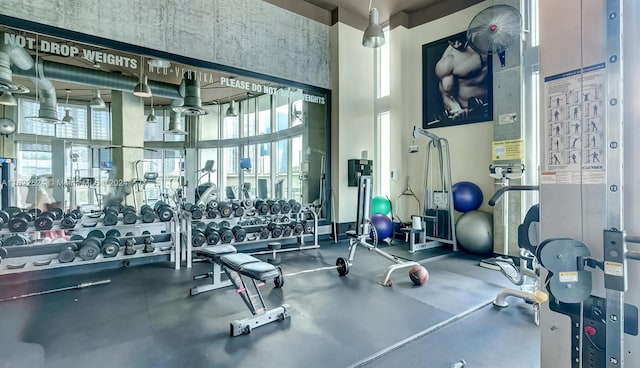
x=200, y=129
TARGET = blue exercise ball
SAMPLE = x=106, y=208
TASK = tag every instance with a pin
x=383, y=226
x=467, y=196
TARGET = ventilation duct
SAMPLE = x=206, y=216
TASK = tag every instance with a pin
x=48, y=112
x=192, y=101
x=16, y=54
x=100, y=79
x=175, y=124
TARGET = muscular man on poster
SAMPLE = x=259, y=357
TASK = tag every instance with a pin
x=462, y=73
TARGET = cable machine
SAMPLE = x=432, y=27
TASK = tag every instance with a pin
x=436, y=220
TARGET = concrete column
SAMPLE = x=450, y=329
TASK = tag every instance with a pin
x=127, y=129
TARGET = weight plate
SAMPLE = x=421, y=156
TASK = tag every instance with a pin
x=146, y=208
x=212, y=213
x=3, y=253
x=240, y=235
x=129, y=208
x=342, y=266
x=224, y=223
x=285, y=207
x=212, y=204
x=278, y=281
x=113, y=233
x=44, y=221
x=66, y=255
x=196, y=213
x=212, y=237
x=225, y=210
x=264, y=233
x=157, y=205
x=276, y=232
x=274, y=208
x=77, y=214
x=262, y=209
x=110, y=218
x=238, y=212
x=286, y=231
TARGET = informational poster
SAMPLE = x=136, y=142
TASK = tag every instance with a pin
x=508, y=150
x=574, y=146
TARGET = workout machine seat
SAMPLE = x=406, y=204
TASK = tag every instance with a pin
x=236, y=266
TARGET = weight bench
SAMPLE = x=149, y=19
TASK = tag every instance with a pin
x=240, y=267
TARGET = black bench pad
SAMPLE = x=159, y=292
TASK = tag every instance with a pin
x=216, y=251
x=250, y=266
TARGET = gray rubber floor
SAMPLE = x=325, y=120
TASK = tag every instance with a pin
x=146, y=318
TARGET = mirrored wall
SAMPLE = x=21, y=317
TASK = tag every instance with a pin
x=83, y=124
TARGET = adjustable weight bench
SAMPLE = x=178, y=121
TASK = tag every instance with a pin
x=240, y=267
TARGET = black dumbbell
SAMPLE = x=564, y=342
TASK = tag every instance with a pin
x=44, y=221
x=296, y=207
x=67, y=253
x=274, y=207
x=273, y=247
x=196, y=212
x=264, y=233
x=198, y=225
x=34, y=212
x=239, y=233
x=57, y=213
x=148, y=244
x=285, y=206
x=129, y=215
x=89, y=248
x=287, y=230
x=212, y=213
x=198, y=238
x=129, y=250
x=224, y=209
x=275, y=229
x=212, y=235
x=297, y=228
x=4, y=217
x=148, y=214
x=17, y=239
x=20, y=222
x=307, y=226
x=212, y=204
x=77, y=214
x=12, y=211
x=96, y=234
x=110, y=216
x=110, y=247
x=238, y=211
x=164, y=211
x=68, y=221
x=262, y=207
x=226, y=235
x=112, y=233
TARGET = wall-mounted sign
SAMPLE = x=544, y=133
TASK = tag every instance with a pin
x=508, y=150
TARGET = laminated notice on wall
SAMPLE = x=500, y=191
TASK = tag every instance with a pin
x=574, y=146
x=508, y=150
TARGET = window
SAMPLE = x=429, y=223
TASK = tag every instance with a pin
x=248, y=108
x=282, y=109
x=210, y=123
x=384, y=80
x=30, y=108
x=264, y=114
x=101, y=125
x=77, y=129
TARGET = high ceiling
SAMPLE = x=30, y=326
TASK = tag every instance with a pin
x=356, y=12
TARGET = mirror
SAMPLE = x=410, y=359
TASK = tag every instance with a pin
x=94, y=123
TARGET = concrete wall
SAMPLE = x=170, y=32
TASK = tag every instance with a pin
x=246, y=34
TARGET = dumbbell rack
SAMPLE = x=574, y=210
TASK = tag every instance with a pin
x=41, y=254
x=186, y=225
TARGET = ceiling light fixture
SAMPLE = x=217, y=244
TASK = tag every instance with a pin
x=7, y=99
x=152, y=114
x=67, y=114
x=231, y=110
x=142, y=88
x=97, y=102
x=374, y=35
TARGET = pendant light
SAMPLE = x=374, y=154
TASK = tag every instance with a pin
x=374, y=35
x=67, y=115
x=142, y=88
x=97, y=102
x=7, y=99
x=151, y=118
x=231, y=110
